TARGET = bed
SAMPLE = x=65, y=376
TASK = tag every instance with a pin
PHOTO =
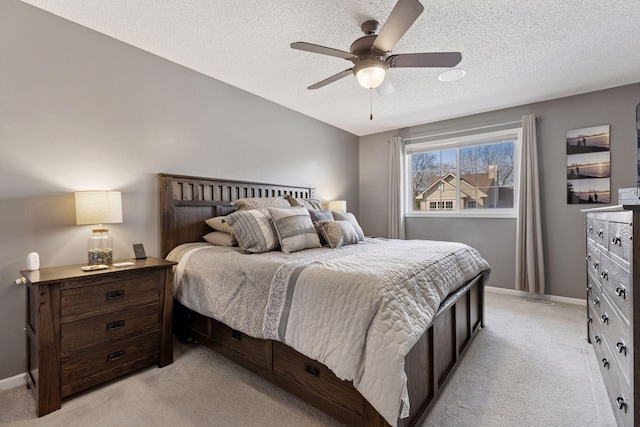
x=186, y=202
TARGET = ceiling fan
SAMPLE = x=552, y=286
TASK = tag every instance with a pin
x=370, y=53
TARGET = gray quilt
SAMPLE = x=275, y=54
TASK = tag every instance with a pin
x=358, y=309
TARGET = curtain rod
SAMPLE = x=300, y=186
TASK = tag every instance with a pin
x=466, y=130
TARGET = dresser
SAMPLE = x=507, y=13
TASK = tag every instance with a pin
x=613, y=267
x=86, y=328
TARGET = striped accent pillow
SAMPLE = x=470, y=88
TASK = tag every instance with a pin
x=260, y=203
x=305, y=203
x=254, y=230
x=294, y=228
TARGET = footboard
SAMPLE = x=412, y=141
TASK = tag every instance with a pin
x=428, y=366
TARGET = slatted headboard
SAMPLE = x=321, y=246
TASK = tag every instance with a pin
x=186, y=201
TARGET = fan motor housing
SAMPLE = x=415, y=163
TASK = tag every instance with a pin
x=362, y=47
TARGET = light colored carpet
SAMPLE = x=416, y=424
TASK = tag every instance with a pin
x=530, y=366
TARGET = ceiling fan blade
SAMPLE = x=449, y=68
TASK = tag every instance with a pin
x=386, y=87
x=331, y=79
x=402, y=17
x=434, y=59
x=314, y=48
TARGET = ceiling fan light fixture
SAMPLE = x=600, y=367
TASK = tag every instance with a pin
x=370, y=73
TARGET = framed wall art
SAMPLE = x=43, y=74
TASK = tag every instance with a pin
x=589, y=165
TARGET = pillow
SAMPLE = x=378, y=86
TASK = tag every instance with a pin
x=254, y=230
x=306, y=203
x=294, y=228
x=347, y=216
x=320, y=215
x=220, y=238
x=260, y=203
x=219, y=223
x=338, y=233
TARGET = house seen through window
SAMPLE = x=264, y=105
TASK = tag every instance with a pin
x=475, y=174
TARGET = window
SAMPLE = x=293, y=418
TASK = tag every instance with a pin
x=472, y=175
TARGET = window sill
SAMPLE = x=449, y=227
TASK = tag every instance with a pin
x=463, y=214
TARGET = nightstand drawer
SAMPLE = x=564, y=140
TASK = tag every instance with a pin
x=82, y=370
x=110, y=296
x=109, y=327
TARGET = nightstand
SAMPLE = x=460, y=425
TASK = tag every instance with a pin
x=86, y=328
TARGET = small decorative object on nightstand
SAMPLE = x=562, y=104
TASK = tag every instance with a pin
x=85, y=328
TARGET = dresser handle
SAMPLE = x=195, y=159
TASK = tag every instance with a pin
x=621, y=292
x=616, y=241
x=590, y=230
x=605, y=318
x=621, y=347
x=597, y=339
x=600, y=233
x=589, y=319
x=115, y=294
x=596, y=265
x=236, y=335
x=115, y=325
x=312, y=370
x=115, y=355
x=589, y=288
x=605, y=275
x=596, y=301
x=621, y=404
x=605, y=363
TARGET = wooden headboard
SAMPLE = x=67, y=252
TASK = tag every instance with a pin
x=186, y=201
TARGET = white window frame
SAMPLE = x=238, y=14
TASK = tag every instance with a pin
x=514, y=134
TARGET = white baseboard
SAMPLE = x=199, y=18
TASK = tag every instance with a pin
x=544, y=297
x=12, y=382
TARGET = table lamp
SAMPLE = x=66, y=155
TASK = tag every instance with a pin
x=99, y=207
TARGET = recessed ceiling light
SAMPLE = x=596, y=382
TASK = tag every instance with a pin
x=452, y=75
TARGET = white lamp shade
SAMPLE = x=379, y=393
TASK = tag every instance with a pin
x=98, y=207
x=371, y=77
x=337, y=205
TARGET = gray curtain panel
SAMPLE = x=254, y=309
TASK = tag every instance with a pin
x=396, y=188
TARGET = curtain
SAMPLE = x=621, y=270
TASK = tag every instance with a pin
x=529, y=252
x=396, y=188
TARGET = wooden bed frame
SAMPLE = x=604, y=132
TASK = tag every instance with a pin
x=187, y=201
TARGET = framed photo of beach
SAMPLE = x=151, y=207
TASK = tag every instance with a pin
x=588, y=165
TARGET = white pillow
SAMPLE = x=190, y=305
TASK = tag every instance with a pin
x=219, y=238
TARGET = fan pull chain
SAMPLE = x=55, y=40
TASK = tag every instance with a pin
x=370, y=103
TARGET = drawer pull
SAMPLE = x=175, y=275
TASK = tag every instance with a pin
x=596, y=265
x=589, y=288
x=596, y=301
x=236, y=335
x=589, y=319
x=616, y=240
x=621, y=347
x=312, y=370
x=621, y=292
x=115, y=325
x=605, y=363
x=597, y=339
x=605, y=275
x=621, y=404
x=115, y=294
x=605, y=318
x=600, y=233
x=589, y=257
x=590, y=229
x=115, y=355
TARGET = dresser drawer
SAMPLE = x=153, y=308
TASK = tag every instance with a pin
x=110, y=296
x=109, y=327
x=82, y=370
x=615, y=280
x=620, y=242
x=619, y=392
x=314, y=376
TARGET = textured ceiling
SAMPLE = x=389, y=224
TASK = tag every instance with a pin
x=514, y=51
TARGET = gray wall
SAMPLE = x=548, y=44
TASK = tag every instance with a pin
x=80, y=110
x=562, y=223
